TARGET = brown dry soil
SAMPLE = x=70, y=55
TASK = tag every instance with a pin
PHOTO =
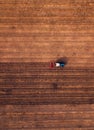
x=32, y=34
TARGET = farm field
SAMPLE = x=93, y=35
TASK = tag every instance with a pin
x=34, y=33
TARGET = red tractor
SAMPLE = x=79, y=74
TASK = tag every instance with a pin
x=57, y=64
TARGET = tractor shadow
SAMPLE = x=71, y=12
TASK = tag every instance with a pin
x=62, y=60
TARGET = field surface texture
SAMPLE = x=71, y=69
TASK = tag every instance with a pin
x=34, y=96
